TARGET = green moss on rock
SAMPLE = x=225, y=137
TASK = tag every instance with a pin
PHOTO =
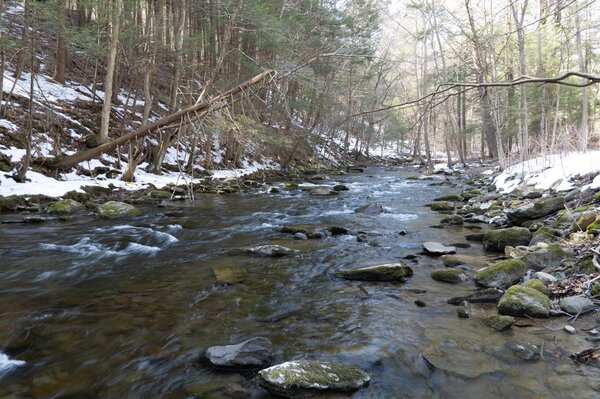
x=449, y=275
x=442, y=206
x=454, y=220
x=499, y=322
x=536, y=285
x=386, y=272
x=497, y=240
x=467, y=260
x=524, y=301
x=114, y=209
x=65, y=207
x=451, y=197
x=595, y=225
x=501, y=274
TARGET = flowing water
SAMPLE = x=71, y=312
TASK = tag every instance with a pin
x=124, y=308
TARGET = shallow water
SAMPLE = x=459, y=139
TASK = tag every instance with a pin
x=114, y=309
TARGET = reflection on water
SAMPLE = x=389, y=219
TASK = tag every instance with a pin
x=114, y=309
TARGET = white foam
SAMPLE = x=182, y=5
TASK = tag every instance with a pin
x=7, y=364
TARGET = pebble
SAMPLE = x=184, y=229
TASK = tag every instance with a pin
x=300, y=236
x=570, y=329
x=420, y=303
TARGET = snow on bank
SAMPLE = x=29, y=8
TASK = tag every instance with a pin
x=41, y=184
x=552, y=171
x=6, y=363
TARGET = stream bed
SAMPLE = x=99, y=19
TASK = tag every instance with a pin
x=125, y=308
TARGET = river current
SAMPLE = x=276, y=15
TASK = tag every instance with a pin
x=124, y=308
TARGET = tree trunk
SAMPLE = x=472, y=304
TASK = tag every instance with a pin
x=582, y=137
x=61, y=45
x=523, y=128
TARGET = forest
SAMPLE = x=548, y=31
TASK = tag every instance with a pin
x=299, y=198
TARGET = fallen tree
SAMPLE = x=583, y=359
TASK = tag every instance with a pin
x=67, y=162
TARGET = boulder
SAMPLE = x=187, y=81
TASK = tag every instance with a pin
x=435, y=248
x=65, y=207
x=501, y=274
x=535, y=209
x=114, y=209
x=302, y=378
x=467, y=260
x=453, y=220
x=451, y=276
x=369, y=209
x=576, y=304
x=584, y=220
x=499, y=322
x=497, y=240
x=385, y=272
x=340, y=187
x=549, y=257
x=253, y=353
x=524, y=301
x=543, y=234
x=273, y=251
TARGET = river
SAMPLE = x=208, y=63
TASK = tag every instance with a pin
x=124, y=308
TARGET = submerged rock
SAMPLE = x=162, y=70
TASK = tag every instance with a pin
x=340, y=187
x=525, y=351
x=451, y=276
x=467, y=260
x=452, y=220
x=524, y=301
x=253, y=353
x=497, y=240
x=435, y=248
x=535, y=210
x=305, y=377
x=114, y=209
x=65, y=207
x=369, y=209
x=273, y=251
x=501, y=274
x=322, y=192
x=385, y=272
x=499, y=322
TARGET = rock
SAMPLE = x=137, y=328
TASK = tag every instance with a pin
x=160, y=194
x=536, y=285
x=114, y=209
x=274, y=190
x=340, y=187
x=305, y=377
x=576, y=304
x=362, y=238
x=524, y=301
x=308, y=229
x=584, y=220
x=467, y=260
x=487, y=295
x=453, y=220
x=463, y=311
x=478, y=237
x=322, y=192
x=543, y=234
x=451, y=197
x=570, y=329
x=532, y=194
x=369, y=209
x=501, y=274
x=595, y=225
x=403, y=232
x=65, y=207
x=442, y=206
x=273, y=251
x=535, y=210
x=545, y=277
x=420, y=303
x=385, y=272
x=253, y=353
x=550, y=257
x=451, y=276
x=497, y=240
x=338, y=231
x=527, y=352
x=34, y=219
x=435, y=248
x=499, y=322
x=469, y=193
x=300, y=236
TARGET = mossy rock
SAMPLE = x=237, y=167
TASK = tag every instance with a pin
x=65, y=207
x=497, y=240
x=11, y=203
x=322, y=192
x=453, y=220
x=385, y=272
x=499, y=322
x=467, y=260
x=535, y=209
x=595, y=289
x=543, y=234
x=584, y=220
x=471, y=193
x=442, y=206
x=595, y=225
x=302, y=378
x=536, y=285
x=77, y=196
x=290, y=184
x=97, y=191
x=524, y=301
x=451, y=197
x=552, y=256
x=597, y=196
x=160, y=194
x=501, y=274
x=340, y=187
x=452, y=276
x=585, y=265
x=114, y=209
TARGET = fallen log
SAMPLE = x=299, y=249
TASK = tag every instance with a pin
x=69, y=161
